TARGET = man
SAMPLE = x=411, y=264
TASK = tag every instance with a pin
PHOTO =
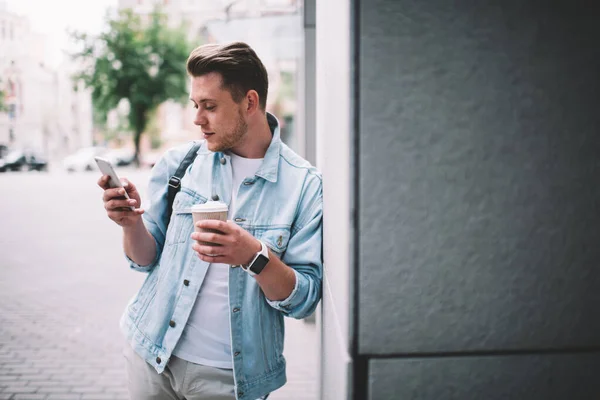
x=200, y=327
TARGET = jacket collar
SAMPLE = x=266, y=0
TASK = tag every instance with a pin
x=270, y=165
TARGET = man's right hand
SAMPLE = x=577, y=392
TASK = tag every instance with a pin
x=117, y=206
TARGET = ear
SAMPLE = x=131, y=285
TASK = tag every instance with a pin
x=252, y=102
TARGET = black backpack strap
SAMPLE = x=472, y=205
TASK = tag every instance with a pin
x=175, y=180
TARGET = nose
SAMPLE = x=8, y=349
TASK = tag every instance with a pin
x=200, y=118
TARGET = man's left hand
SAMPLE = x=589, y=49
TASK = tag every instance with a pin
x=237, y=246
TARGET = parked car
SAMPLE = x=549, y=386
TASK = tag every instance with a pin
x=3, y=152
x=120, y=157
x=36, y=161
x=19, y=160
x=83, y=159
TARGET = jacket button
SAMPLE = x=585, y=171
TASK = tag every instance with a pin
x=240, y=394
x=237, y=353
x=172, y=324
x=215, y=197
x=158, y=360
x=223, y=161
x=186, y=282
x=236, y=309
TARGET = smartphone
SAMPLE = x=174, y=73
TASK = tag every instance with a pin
x=107, y=169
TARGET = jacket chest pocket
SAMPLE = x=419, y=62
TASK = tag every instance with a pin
x=275, y=238
x=181, y=224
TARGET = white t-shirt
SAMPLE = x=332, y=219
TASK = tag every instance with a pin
x=206, y=338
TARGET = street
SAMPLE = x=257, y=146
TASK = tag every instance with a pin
x=64, y=283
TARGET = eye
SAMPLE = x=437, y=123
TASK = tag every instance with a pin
x=209, y=108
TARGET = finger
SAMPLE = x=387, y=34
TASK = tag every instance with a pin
x=103, y=182
x=110, y=194
x=115, y=204
x=117, y=215
x=209, y=237
x=214, y=224
x=208, y=254
x=130, y=187
x=213, y=260
x=208, y=250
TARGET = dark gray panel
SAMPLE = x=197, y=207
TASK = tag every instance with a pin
x=525, y=377
x=310, y=14
x=479, y=176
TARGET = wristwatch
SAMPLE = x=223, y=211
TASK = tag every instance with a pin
x=258, y=263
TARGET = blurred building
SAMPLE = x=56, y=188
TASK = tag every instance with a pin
x=46, y=110
x=272, y=27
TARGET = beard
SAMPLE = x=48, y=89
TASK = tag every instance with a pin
x=233, y=138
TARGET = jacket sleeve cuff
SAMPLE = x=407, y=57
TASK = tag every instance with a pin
x=295, y=298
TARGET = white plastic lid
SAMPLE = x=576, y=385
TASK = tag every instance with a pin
x=210, y=206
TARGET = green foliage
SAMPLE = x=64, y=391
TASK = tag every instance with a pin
x=288, y=88
x=3, y=106
x=141, y=61
x=153, y=130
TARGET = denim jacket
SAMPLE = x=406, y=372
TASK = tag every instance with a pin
x=281, y=205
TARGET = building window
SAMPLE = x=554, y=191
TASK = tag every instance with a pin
x=12, y=32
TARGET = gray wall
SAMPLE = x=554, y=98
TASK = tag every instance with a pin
x=474, y=164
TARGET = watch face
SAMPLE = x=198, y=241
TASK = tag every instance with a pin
x=258, y=264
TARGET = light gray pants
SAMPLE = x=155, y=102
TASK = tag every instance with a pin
x=180, y=380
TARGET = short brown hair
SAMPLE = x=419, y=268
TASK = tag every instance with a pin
x=239, y=66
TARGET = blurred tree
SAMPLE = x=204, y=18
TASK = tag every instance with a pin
x=3, y=107
x=153, y=130
x=142, y=61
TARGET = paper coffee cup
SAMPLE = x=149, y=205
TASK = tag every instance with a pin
x=209, y=210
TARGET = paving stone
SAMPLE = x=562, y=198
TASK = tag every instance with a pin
x=87, y=389
x=64, y=396
x=44, y=383
x=30, y=397
x=52, y=389
x=20, y=389
x=98, y=396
